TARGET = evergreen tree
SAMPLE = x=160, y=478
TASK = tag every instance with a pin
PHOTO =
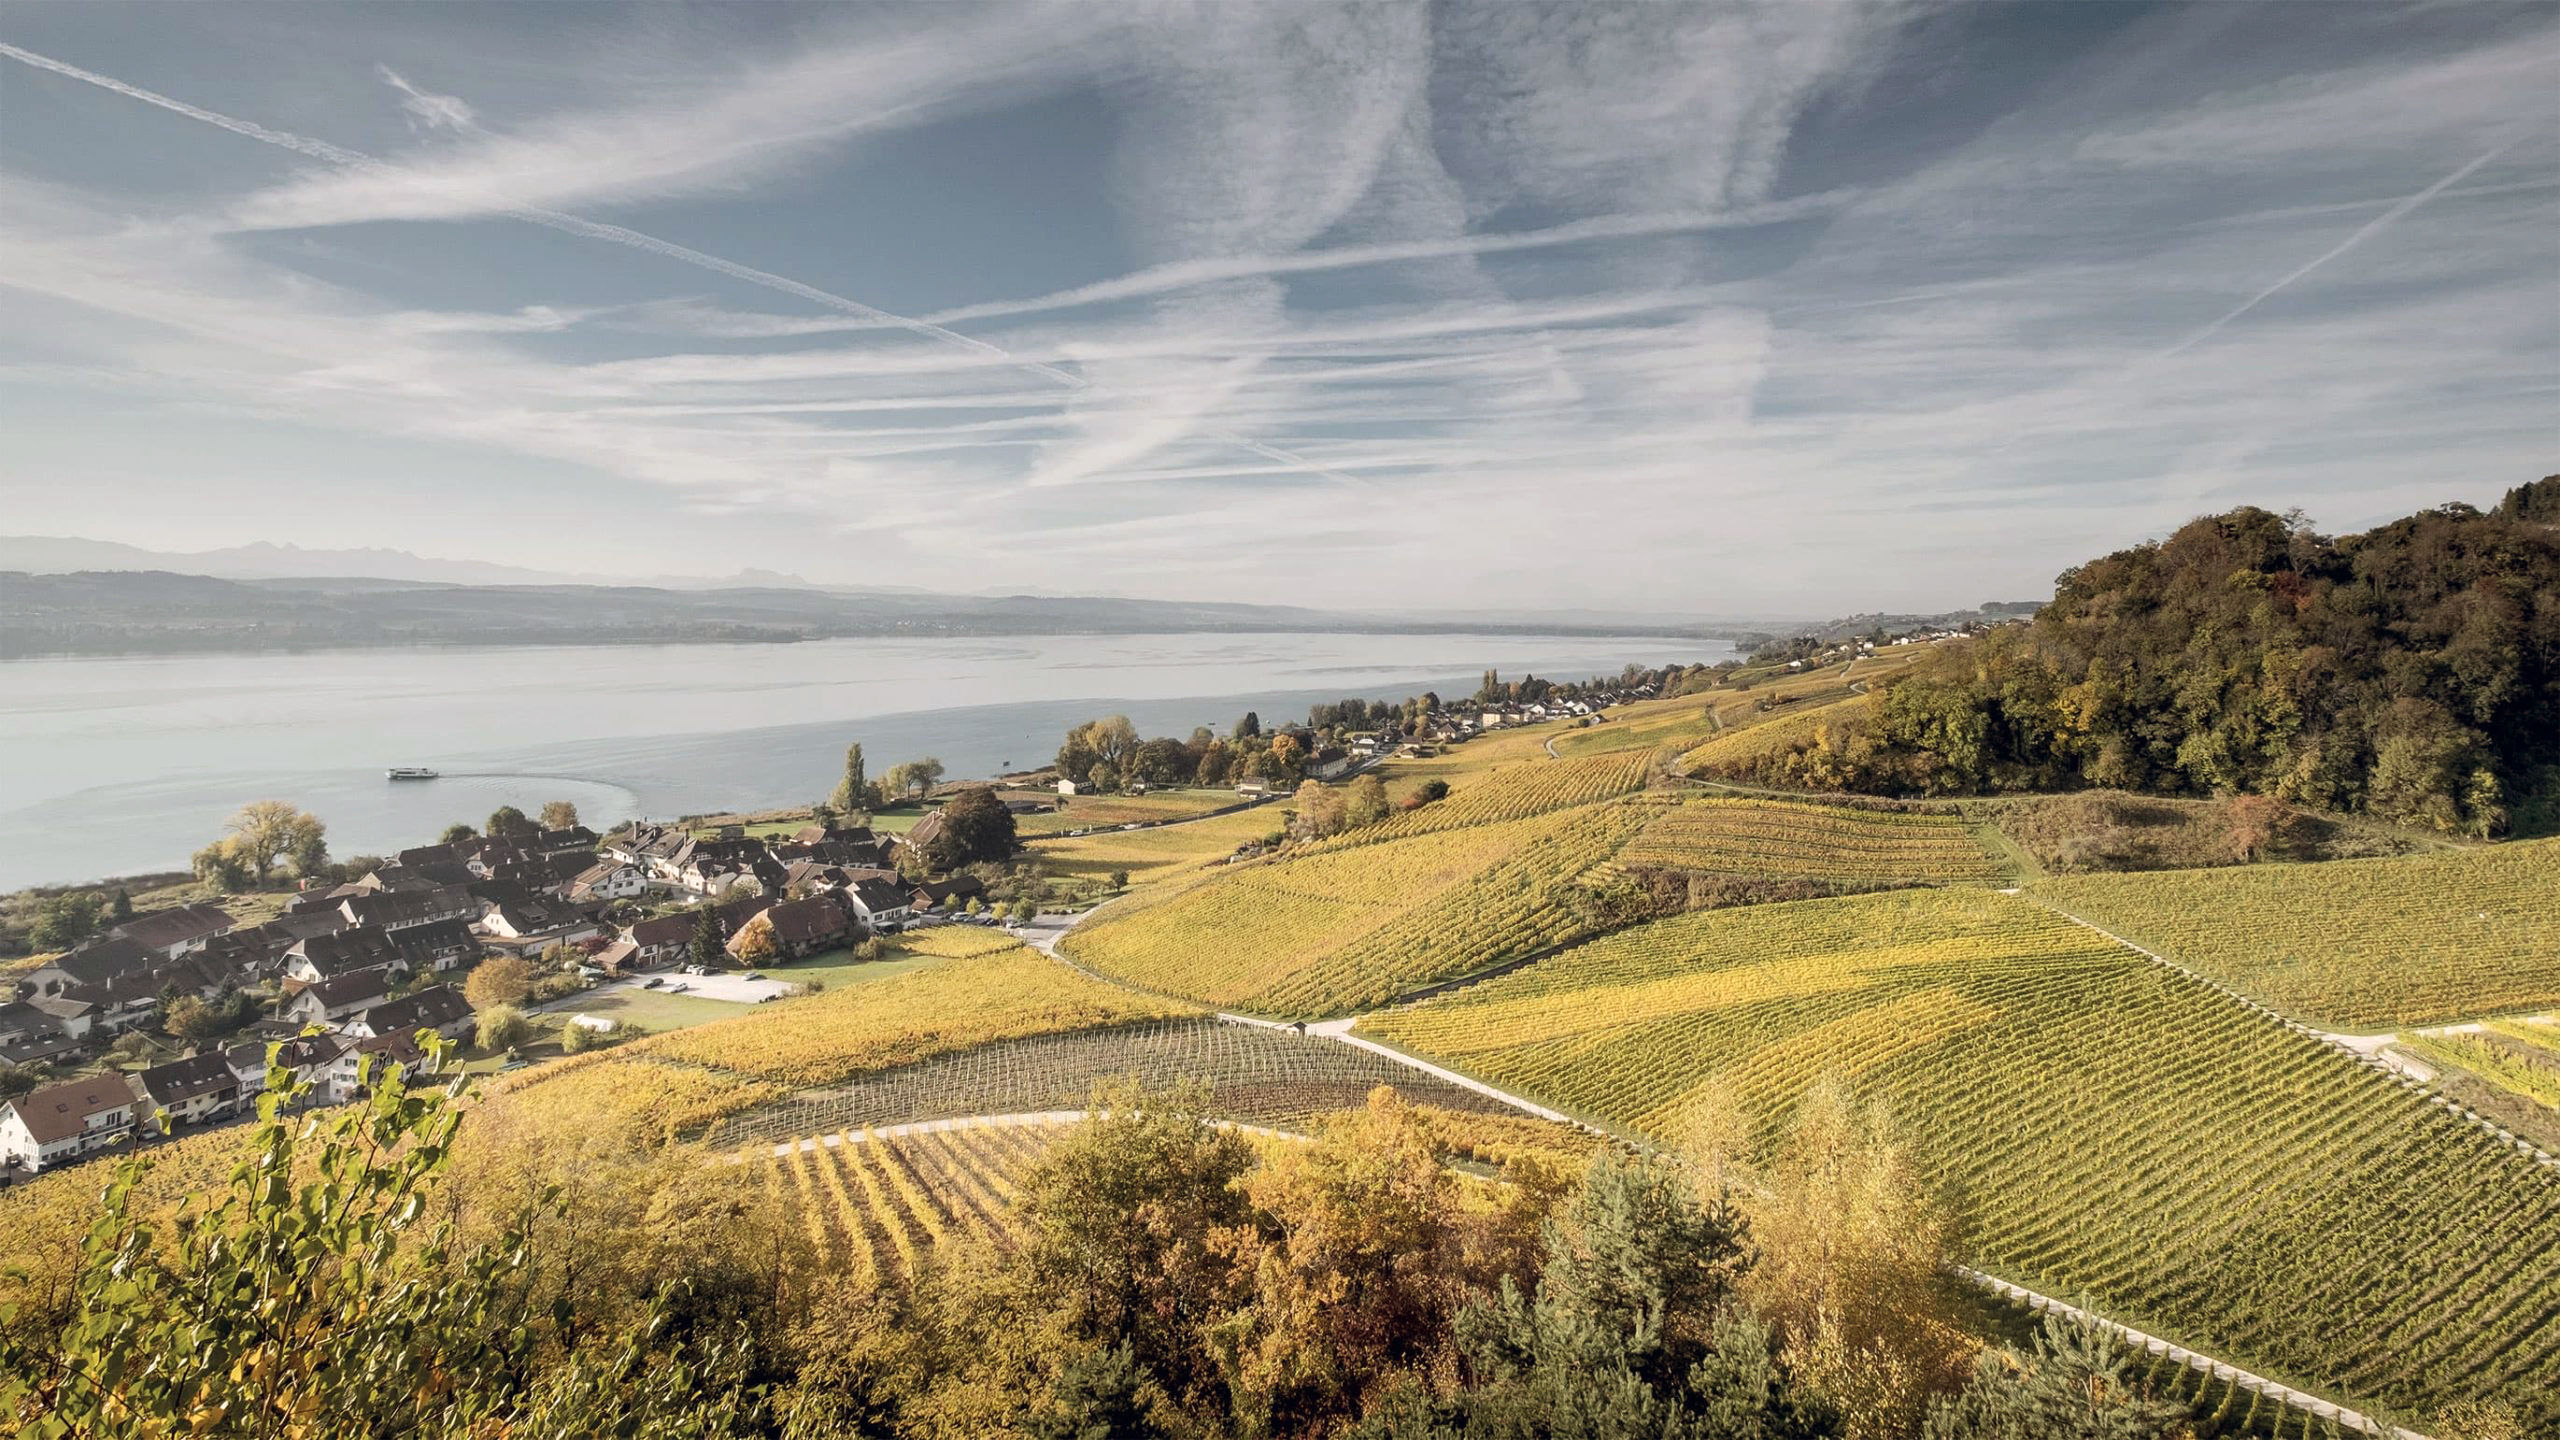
x=2074, y=1387
x=120, y=908
x=1249, y=727
x=710, y=946
x=853, y=792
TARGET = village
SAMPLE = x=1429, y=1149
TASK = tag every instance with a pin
x=352, y=976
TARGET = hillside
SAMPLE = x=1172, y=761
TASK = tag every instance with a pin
x=2411, y=672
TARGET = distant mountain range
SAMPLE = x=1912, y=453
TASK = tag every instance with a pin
x=106, y=612
x=64, y=554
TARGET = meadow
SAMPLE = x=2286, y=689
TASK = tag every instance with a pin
x=2106, y=1127
x=2356, y=944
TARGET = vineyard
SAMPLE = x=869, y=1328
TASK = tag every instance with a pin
x=1255, y=1074
x=2520, y=1059
x=876, y=1206
x=956, y=942
x=1770, y=734
x=2112, y=1129
x=1513, y=792
x=2353, y=944
x=1766, y=837
x=1159, y=854
x=1346, y=928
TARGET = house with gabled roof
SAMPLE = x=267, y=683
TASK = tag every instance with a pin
x=609, y=880
x=443, y=945
x=64, y=1122
x=362, y=948
x=400, y=909
x=805, y=927
x=197, y=1088
x=440, y=1008
x=541, y=918
x=308, y=1057
x=329, y=1001
x=175, y=932
x=881, y=904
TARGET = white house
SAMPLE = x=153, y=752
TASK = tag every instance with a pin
x=307, y=1057
x=881, y=904
x=63, y=1122
x=1066, y=787
x=338, y=997
x=609, y=880
x=199, y=1087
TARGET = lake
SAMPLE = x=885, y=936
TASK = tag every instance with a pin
x=125, y=765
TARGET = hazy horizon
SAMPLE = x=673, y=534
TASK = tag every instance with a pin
x=1733, y=310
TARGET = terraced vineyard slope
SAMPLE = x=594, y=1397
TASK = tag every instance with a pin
x=1814, y=842
x=876, y=1206
x=1256, y=1075
x=1352, y=926
x=1768, y=734
x=2354, y=944
x=2111, y=1128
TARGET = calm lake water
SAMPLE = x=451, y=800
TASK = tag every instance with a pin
x=125, y=765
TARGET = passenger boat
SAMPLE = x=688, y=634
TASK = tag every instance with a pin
x=409, y=772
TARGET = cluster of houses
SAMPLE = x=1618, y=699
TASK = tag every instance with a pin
x=346, y=960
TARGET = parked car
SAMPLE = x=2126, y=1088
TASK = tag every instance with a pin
x=652, y=983
x=752, y=975
x=695, y=970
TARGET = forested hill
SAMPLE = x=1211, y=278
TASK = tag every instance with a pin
x=2412, y=671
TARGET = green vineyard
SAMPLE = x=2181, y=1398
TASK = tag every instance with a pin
x=1770, y=733
x=1347, y=928
x=1255, y=1074
x=2352, y=944
x=1513, y=792
x=2106, y=1126
x=1818, y=842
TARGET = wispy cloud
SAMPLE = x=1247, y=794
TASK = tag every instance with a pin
x=1495, y=304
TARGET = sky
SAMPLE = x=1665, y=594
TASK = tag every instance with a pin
x=1799, y=308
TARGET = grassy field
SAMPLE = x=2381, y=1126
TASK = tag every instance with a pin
x=2354, y=944
x=1087, y=812
x=1341, y=929
x=2108, y=1127
x=1161, y=854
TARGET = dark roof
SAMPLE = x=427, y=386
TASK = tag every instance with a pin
x=16, y=1017
x=433, y=939
x=361, y=948
x=187, y=974
x=356, y=987
x=958, y=887
x=536, y=913
x=303, y=927
x=319, y=898
x=294, y=1053
x=923, y=831
x=426, y=855
x=408, y=907
x=666, y=929
x=429, y=1009
x=186, y=1079
x=575, y=837
x=161, y=929
x=798, y=922
x=102, y=960
x=59, y=1112
x=882, y=895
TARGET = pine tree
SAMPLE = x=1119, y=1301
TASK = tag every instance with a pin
x=854, y=791
x=710, y=947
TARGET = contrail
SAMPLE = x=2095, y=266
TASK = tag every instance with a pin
x=633, y=239
x=2371, y=227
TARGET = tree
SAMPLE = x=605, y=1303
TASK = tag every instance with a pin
x=1164, y=762
x=332, y=1289
x=267, y=831
x=1319, y=811
x=975, y=827
x=222, y=866
x=853, y=791
x=120, y=907
x=1287, y=756
x=1429, y=792
x=1103, y=778
x=498, y=981
x=1368, y=802
x=710, y=943
x=1119, y=881
x=64, y=921
x=503, y=1027
x=754, y=944
x=2075, y=1386
x=196, y=1021
x=559, y=815
x=508, y=823
x=915, y=777
x=2253, y=823
x=1217, y=764
x=1248, y=728
x=456, y=833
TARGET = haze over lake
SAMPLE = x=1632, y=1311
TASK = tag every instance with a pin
x=118, y=766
